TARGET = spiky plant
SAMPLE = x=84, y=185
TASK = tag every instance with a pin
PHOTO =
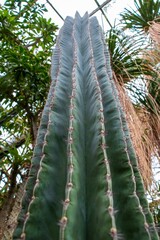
x=126, y=57
x=140, y=17
x=84, y=182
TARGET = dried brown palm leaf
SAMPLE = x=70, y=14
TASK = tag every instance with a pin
x=154, y=121
x=154, y=31
x=141, y=133
x=152, y=58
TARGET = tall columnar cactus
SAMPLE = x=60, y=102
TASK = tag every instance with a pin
x=84, y=182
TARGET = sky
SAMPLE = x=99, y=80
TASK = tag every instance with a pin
x=69, y=7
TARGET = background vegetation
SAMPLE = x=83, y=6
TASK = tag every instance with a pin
x=26, y=42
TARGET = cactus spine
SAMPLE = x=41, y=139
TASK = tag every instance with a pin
x=84, y=183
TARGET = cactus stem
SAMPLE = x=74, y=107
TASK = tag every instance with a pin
x=122, y=135
x=69, y=184
x=103, y=141
x=84, y=181
x=43, y=144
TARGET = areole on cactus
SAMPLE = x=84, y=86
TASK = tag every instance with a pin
x=84, y=183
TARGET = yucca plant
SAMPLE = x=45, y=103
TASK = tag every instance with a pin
x=139, y=18
x=84, y=182
x=126, y=56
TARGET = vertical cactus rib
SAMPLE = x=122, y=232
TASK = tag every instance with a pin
x=73, y=215
x=101, y=224
x=84, y=182
x=149, y=222
x=119, y=161
x=133, y=159
x=38, y=153
x=53, y=150
x=124, y=190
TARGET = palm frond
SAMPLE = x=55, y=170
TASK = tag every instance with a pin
x=140, y=17
x=125, y=52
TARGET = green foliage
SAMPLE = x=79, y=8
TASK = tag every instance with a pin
x=26, y=42
x=84, y=182
x=126, y=55
x=139, y=18
x=150, y=99
x=133, y=69
x=132, y=54
x=11, y=159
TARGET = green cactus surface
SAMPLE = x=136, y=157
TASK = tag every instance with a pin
x=84, y=182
